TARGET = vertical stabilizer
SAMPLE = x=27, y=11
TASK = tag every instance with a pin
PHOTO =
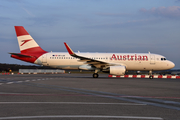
x=26, y=43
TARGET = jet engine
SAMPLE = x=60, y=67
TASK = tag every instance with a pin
x=86, y=67
x=117, y=70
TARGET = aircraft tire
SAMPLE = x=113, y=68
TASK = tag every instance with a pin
x=95, y=75
x=150, y=77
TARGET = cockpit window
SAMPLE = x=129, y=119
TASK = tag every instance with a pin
x=163, y=58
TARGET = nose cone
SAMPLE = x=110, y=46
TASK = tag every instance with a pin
x=170, y=65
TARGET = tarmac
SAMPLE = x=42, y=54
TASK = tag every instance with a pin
x=79, y=97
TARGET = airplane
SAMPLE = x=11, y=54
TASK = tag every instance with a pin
x=112, y=63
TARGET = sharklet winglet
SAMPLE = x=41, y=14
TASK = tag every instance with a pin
x=70, y=51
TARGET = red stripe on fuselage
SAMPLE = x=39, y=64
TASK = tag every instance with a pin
x=35, y=53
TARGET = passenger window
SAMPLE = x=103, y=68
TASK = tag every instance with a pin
x=163, y=58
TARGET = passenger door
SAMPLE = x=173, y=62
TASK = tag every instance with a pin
x=152, y=59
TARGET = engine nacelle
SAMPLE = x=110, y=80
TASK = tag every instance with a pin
x=117, y=70
x=86, y=67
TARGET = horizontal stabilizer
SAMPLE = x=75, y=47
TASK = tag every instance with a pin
x=20, y=55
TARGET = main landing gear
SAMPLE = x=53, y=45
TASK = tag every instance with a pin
x=96, y=75
x=150, y=74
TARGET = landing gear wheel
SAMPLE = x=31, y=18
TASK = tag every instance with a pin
x=95, y=75
x=150, y=77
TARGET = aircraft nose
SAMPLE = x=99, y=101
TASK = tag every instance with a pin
x=170, y=65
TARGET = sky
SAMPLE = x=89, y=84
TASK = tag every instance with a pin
x=114, y=26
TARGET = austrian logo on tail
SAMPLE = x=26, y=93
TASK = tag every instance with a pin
x=25, y=41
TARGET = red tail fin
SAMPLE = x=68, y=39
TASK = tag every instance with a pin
x=26, y=43
x=30, y=50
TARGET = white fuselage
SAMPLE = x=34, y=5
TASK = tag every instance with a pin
x=132, y=61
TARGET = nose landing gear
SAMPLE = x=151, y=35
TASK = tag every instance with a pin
x=150, y=74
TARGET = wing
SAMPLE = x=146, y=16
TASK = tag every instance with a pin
x=92, y=62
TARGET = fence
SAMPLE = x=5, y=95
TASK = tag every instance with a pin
x=40, y=71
